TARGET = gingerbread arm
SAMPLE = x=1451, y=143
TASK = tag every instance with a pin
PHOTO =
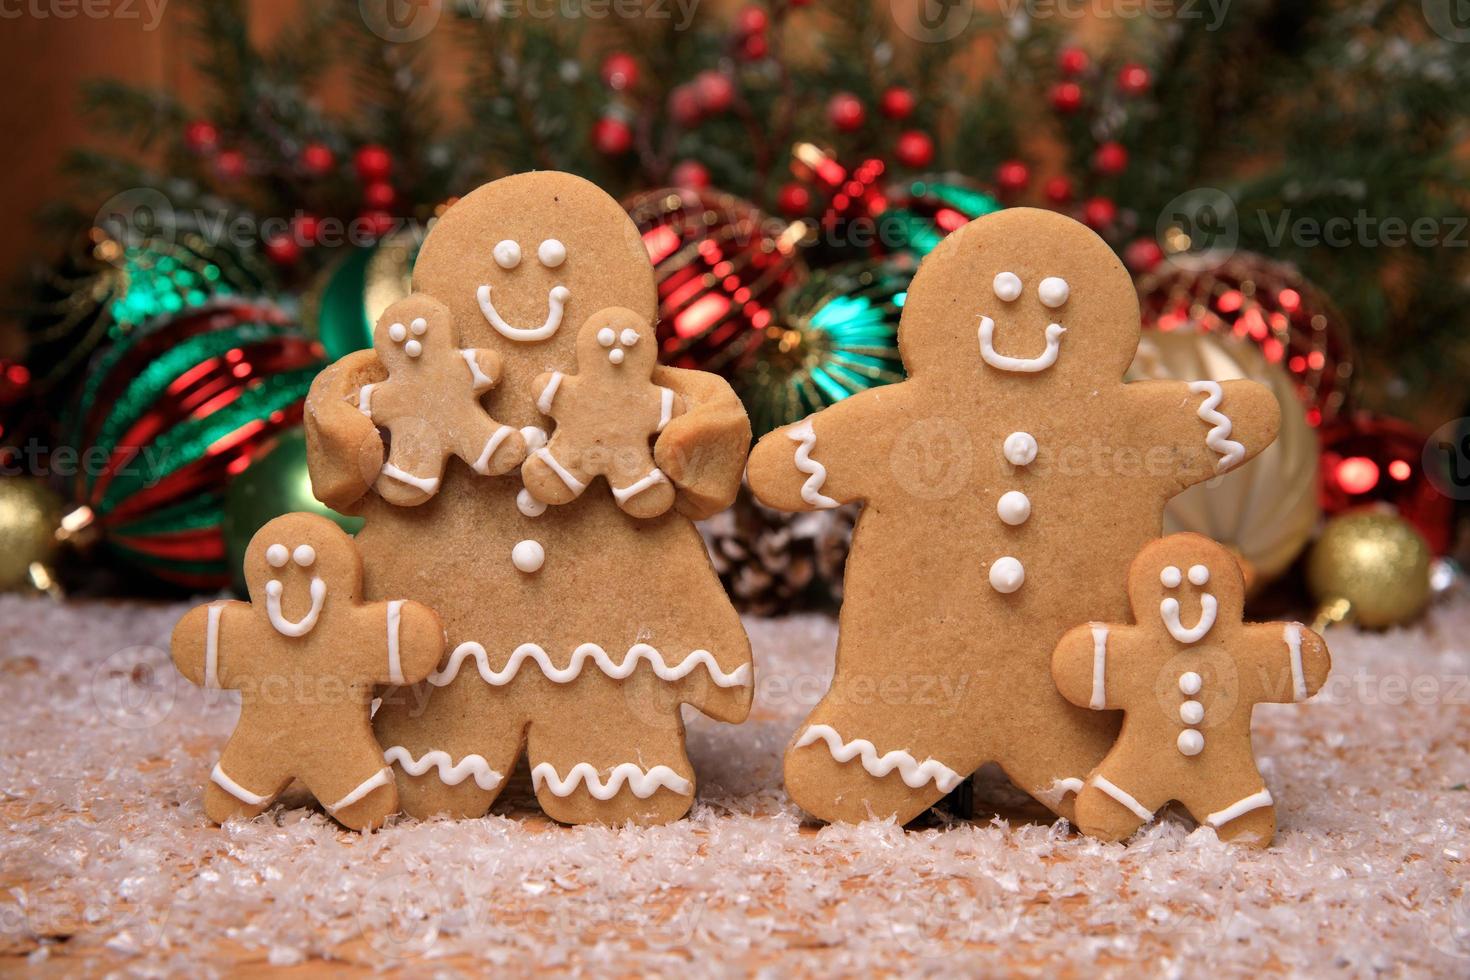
x=484, y=365
x=702, y=450
x=1288, y=661
x=1187, y=432
x=412, y=641
x=1079, y=665
x=344, y=450
x=199, y=647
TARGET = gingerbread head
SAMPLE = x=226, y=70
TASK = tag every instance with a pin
x=614, y=343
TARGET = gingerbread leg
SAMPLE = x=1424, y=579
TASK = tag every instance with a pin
x=414, y=468
x=593, y=774
x=358, y=790
x=650, y=495
x=243, y=783
x=1107, y=810
x=552, y=480
x=1238, y=813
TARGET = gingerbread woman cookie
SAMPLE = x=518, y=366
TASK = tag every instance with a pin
x=605, y=416
x=304, y=654
x=430, y=403
x=1007, y=484
x=1187, y=693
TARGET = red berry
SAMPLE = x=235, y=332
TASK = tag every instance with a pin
x=690, y=173
x=714, y=91
x=793, y=200
x=800, y=3
x=1066, y=96
x=1134, y=79
x=1058, y=190
x=373, y=163
x=202, y=136
x=305, y=228
x=318, y=159
x=282, y=249
x=754, y=47
x=684, y=105
x=1012, y=176
x=752, y=20
x=612, y=136
x=1142, y=255
x=230, y=164
x=846, y=112
x=1110, y=159
x=620, y=71
x=379, y=196
x=1072, y=61
x=377, y=223
x=897, y=103
x=1099, y=212
x=914, y=149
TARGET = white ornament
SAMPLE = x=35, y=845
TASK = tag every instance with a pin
x=1019, y=448
x=1007, y=575
x=528, y=556
x=1191, y=742
x=1013, y=507
x=1199, y=575
x=552, y=253
x=529, y=505
x=607, y=337
x=507, y=254
x=1007, y=286
x=277, y=555
x=1170, y=577
x=419, y=326
x=305, y=555
x=397, y=332
x=1054, y=291
x=1191, y=712
x=1190, y=682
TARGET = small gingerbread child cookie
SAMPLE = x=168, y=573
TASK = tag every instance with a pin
x=430, y=403
x=304, y=654
x=1187, y=693
x=605, y=416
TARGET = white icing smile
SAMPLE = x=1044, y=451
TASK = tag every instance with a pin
x=555, y=301
x=1026, y=365
x=305, y=624
x=1169, y=610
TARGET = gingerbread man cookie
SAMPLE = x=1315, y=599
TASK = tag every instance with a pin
x=1187, y=693
x=605, y=416
x=304, y=654
x=1008, y=482
x=430, y=403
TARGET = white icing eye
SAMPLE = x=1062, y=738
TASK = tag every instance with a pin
x=1054, y=291
x=397, y=332
x=507, y=254
x=1170, y=577
x=413, y=348
x=606, y=337
x=552, y=253
x=1199, y=574
x=615, y=355
x=1007, y=286
x=277, y=555
x=419, y=326
x=629, y=337
x=304, y=555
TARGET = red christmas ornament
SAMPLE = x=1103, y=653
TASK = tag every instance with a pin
x=1072, y=61
x=201, y=136
x=754, y=47
x=752, y=20
x=897, y=102
x=373, y=163
x=377, y=223
x=794, y=200
x=620, y=71
x=1012, y=176
x=317, y=159
x=714, y=91
x=1099, y=213
x=1134, y=79
x=684, y=105
x=230, y=164
x=379, y=196
x=282, y=249
x=914, y=149
x=1370, y=460
x=1066, y=97
x=1143, y=255
x=611, y=136
x=846, y=112
x=1058, y=190
x=690, y=173
x=305, y=228
x=1110, y=159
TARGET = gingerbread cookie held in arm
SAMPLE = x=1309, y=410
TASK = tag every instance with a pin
x=1187, y=675
x=1007, y=484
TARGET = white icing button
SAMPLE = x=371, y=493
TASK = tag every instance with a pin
x=529, y=506
x=552, y=253
x=397, y=332
x=1191, y=742
x=606, y=337
x=1007, y=575
x=1189, y=682
x=1054, y=291
x=1013, y=507
x=615, y=355
x=528, y=556
x=1199, y=574
x=419, y=326
x=1191, y=712
x=1170, y=577
x=1007, y=286
x=629, y=337
x=277, y=555
x=305, y=555
x=1019, y=448
x=507, y=254
x=535, y=437
x=413, y=348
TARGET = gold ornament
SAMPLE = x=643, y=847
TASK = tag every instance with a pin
x=1266, y=510
x=29, y=516
x=1370, y=567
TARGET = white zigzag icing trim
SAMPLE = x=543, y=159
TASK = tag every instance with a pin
x=643, y=784
x=451, y=773
x=914, y=772
x=1218, y=438
x=811, y=490
x=739, y=677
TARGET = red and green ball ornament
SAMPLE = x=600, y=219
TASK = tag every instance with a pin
x=923, y=210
